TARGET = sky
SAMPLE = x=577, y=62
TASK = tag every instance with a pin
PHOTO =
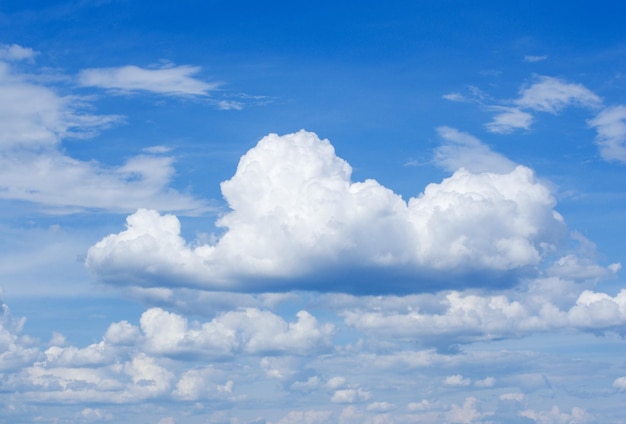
x=312, y=212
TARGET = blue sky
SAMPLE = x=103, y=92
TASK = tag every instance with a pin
x=247, y=212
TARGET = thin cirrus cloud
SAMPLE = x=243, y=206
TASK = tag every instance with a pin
x=297, y=221
x=169, y=80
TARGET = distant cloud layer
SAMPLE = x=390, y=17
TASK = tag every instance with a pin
x=299, y=222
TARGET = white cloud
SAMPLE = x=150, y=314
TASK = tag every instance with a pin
x=350, y=395
x=611, y=130
x=509, y=119
x=424, y=405
x=514, y=396
x=454, y=97
x=551, y=95
x=469, y=317
x=95, y=414
x=16, y=52
x=531, y=58
x=380, y=406
x=170, y=80
x=35, y=116
x=555, y=416
x=202, y=383
x=486, y=382
x=463, y=150
x=251, y=330
x=35, y=120
x=335, y=382
x=62, y=183
x=295, y=213
x=15, y=350
x=310, y=384
x=620, y=383
x=457, y=380
x=546, y=94
x=306, y=417
x=465, y=414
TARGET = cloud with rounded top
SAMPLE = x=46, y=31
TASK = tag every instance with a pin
x=297, y=221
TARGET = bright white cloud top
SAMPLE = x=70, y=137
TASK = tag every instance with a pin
x=442, y=244
x=297, y=218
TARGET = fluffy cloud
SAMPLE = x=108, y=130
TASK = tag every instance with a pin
x=156, y=360
x=469, y=318
x=546, y=94
x=251, y=330
x=170, y=80
x=15, y=350
x=298, y=221
x=457, y=380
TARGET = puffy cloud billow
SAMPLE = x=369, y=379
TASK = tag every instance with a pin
x=297, y=221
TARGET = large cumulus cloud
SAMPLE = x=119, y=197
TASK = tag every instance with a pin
x=298, y=221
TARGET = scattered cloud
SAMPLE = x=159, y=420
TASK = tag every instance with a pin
x=611, y=127
x=555, y=416
x=462, y=150
x=514, y=396
x=509, y=119
x=467, y=318
x=454, y=97
x=457, y=380
x=167, y=80
x=15, y=52
x=486, y=382
x=550, y=95
x=546, y=94
x=34, y=116
x=36, y=120
x=620, y=383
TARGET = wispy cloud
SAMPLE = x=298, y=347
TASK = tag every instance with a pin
x=551, y=95
x=509, y=119
x=531, y=58
x=462, y=150
x=454, y=97
x=169, y=80
x=611, y=127
x=36, y=120
x=546, y=94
